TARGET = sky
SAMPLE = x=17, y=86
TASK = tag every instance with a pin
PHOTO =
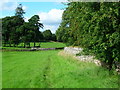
x=50, y=13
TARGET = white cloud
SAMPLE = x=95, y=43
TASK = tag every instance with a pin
x=24, y=8
x=6, y=5
x=51, y=19
x=53, y=28
x=26, y=19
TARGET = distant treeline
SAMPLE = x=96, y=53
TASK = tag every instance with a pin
x=95, y=26
x=15, y=30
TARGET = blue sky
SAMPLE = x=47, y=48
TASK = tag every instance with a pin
x=50, y=12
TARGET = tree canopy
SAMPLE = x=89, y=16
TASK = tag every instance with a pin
x=95, y=26
x=47, y=35
x=15, y=30
x=19, y=11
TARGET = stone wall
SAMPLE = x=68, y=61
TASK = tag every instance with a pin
x=72, y=50
x=88, y=58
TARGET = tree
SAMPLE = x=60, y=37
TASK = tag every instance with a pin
x=16, y=22
x=10, y=25
x=19, y=11
x=41, y=37
x=5, y=30
x=35, y=26
x=0, y=32
x=47, y=35
x=26, y=33
x=9, y=29
x=93, y=26
x=53, y=37
x=15, y=30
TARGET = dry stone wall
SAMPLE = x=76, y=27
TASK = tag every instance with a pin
x=72, y=50
x=87, y=58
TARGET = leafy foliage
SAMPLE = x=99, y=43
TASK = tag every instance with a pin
x=35, y=25
x=9, y=29
x=47, y=35
x=16, y=30
x=19, y=11
x=95, y=26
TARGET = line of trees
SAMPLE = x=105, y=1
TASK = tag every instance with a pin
x=95, y=26
x=47, y=35
x=15, y=30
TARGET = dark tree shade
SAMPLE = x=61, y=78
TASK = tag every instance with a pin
x=47, y=35
x=9, y=29
x=35, y=25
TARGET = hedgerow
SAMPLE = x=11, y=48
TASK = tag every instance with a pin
x=95, y=26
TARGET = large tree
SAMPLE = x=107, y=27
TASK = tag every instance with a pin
x=9, y=29
x=16, y=22
x=47, y=35
x=19, y=11
x=95, y=26
x=5, y=30
x=26, y=33
x=0, y=32
x=35, y=25
x=54, y=37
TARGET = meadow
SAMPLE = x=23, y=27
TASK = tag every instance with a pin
x=49, y=69
x=42, y=45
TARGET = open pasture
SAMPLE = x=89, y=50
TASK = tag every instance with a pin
x=48, y=69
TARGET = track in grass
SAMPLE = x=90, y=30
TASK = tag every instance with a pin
x=47, y=69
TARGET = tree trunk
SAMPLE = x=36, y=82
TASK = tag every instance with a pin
x=10, y=44
x=110, y=59
x=34, y=44
x=110, y=64
x=24, y=45
x=29, y=44
x=39, y=44
x=34, y=39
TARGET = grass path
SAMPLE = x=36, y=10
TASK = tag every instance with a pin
x=47, y=69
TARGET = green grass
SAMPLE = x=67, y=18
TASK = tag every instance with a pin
x=52, y=45
x=42, y=44
x=0, y=69
x=47, y=69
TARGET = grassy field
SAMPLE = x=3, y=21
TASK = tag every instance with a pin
x=42, y=45
x=48, y=69
x=0, y=69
